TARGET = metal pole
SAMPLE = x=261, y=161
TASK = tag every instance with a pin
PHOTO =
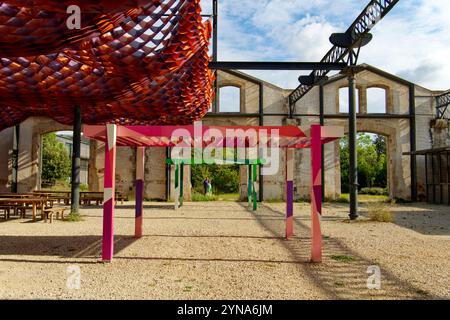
x=352, y=132
x=76, y=161
x=322, y=123
x=215, y=8
x=168, y=174
x=261, y=123
x=413, y=143
x=15, y=158
x=181, y=184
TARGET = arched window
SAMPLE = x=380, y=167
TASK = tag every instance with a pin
x=343, y=100
x=230, y=99
x=376, y=100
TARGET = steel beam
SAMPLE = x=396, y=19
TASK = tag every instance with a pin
x=252, y=65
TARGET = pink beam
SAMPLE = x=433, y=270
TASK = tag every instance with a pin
x=316, y=193
x=108, y=193
x=140, y=161
x=289, y=192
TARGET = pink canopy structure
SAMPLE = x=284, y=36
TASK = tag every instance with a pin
x=287, y=138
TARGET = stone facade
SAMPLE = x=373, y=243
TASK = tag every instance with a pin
x=397, y=129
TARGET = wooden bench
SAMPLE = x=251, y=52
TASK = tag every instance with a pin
x=49, y=213
x=87, y=197
x=6, y=211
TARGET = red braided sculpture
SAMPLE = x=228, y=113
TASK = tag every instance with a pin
x=132, y=62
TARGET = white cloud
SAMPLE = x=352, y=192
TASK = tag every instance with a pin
x=412, y=41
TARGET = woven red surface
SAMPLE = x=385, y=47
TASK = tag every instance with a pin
x=147, y=64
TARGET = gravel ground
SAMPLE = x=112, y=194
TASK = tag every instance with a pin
x=222, y=251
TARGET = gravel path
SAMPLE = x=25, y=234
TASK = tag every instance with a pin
x=222, y=251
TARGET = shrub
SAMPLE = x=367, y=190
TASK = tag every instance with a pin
x=374, y=191
x=380, y=212
x=198, y=197
x=73, y=218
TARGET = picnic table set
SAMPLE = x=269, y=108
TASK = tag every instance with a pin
x=47, y=204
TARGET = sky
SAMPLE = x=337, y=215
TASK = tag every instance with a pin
x=412, y=41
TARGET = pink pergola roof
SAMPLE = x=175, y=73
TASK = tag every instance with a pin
x=169, y=136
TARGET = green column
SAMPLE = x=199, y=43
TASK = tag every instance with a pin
x=177, y=183
x=255, y=174
x=181, y=184
x=249, y=184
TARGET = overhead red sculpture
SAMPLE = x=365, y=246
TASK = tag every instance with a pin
x=145, y=65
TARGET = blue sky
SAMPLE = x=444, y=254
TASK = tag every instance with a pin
x=412, y=41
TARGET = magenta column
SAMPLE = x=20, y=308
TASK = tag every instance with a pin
x=109, y=193
x=316, y=193
x=140, y=161
x=289, y=192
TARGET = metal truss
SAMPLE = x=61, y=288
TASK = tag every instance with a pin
x=370, y=16
x=442, y=104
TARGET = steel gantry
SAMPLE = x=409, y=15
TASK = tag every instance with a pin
x=342, y=56
x=442, y=104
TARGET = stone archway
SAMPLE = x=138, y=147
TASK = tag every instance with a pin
x=30, y=146
x=397, y=133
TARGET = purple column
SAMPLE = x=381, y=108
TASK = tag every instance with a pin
x=289, y=192
x=140, y=162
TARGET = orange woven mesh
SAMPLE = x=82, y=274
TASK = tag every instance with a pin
x=146, y=64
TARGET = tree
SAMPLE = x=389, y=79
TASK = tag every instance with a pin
x=224, y=178
x=372, y=164
x=56, y=162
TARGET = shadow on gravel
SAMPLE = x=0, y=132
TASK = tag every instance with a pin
x=343, y=273
x=61, y=247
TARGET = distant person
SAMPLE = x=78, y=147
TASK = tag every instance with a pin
x=206, y=185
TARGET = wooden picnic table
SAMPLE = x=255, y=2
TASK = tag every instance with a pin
x=17, y=195
x=36, y=202
x=55, y=195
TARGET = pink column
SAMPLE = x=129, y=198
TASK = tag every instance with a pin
x=289, y=192
x=140, y=161
x=316, y=193
x=109, y=193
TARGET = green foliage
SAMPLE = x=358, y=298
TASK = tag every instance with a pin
x=199, y=197
x=56, y=162
x=73, y=218
x=224, y=178
x=374, y=191
x=372, y=163
x=343, y=258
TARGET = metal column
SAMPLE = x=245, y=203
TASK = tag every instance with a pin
x=352, y=133
x=215, y=7
x=322, y=123
x=413, y=144
x=15, y=158
x=261, y=123
x=76, y=161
